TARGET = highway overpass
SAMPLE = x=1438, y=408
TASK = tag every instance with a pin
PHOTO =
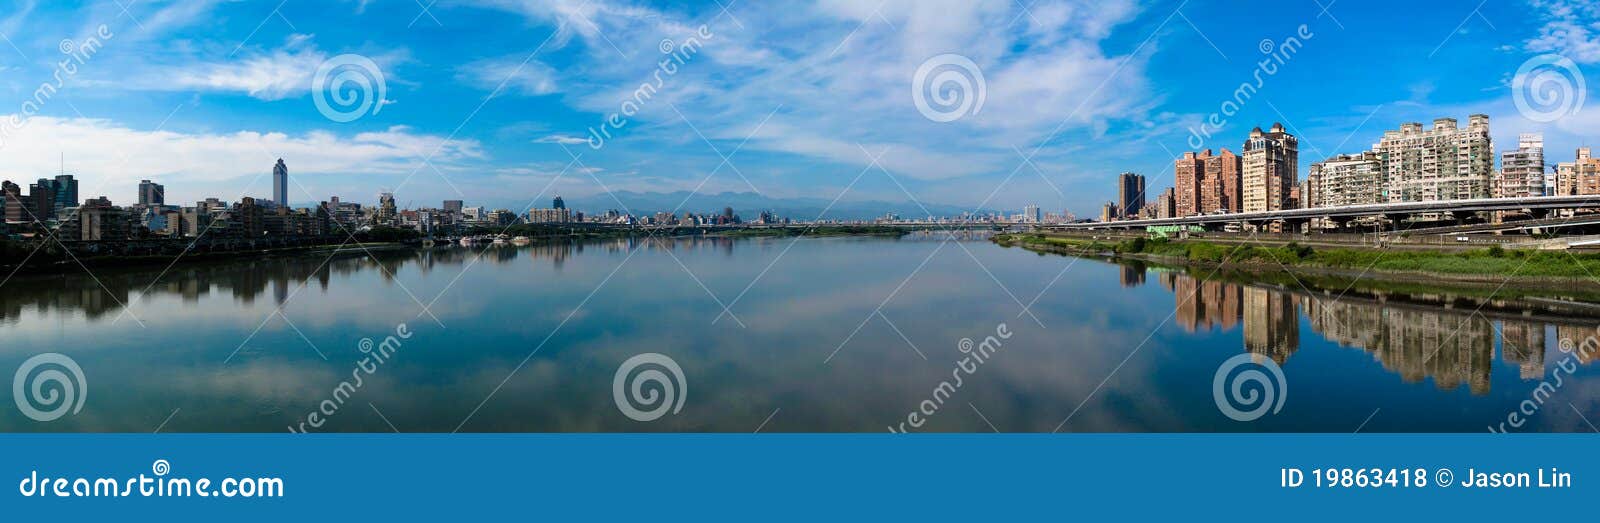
x=1536, y=205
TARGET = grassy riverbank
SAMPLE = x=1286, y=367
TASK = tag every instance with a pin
x=1492, y=262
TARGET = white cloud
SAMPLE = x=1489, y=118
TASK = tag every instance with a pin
x=562, y=139
x=1571, y=29
x=841, y=71
x=113, y=158
x=281, y=73
x=515, y=74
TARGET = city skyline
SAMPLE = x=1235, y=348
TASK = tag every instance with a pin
x=1064, y=81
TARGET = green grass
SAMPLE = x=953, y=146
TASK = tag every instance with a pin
x=1493, y=260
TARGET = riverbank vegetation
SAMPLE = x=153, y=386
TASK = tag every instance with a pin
x=1490, y=261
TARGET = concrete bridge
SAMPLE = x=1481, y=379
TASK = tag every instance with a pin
x=1537, y=206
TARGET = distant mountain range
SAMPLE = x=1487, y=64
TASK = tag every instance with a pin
x=748, y=205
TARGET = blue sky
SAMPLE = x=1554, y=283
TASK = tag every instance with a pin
x=490, y=100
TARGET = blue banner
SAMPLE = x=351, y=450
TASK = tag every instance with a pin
x=209, y=477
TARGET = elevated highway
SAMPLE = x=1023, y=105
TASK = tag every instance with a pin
x=1535, y=205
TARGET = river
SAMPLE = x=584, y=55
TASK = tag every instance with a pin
x=850, y=334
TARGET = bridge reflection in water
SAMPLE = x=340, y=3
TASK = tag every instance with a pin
x=1447, y=338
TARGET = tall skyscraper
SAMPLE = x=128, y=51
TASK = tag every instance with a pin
x=1130, y=194
x=65, y=191
x=1206, y=183
x=1222, y=182
x=1269, y=169
x=1030, y=214
x=1187, y=172
x=453, y=206
x=280, y=184
x=1522, y=169
x=558, y=203
x=151, y=193
x=1443, y=163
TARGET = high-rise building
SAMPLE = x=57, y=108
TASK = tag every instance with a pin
x=1522, y=169
x=1566, y=175
x=1222, y=182
x=151, y=193
x=387, y=210
x=1580, y=176
x=39, y=206
x=453, y=206
x=1446, y=162
x=65, y=191
x=12, y=198
x=1108, y=212
x=1207, y=183
x=280, y=184
x=549, y=216
x=1030, y=214
x=1187, y=172
x=558, y=203
x=1165, y=207
x=249, y=217
x=1346, y=179
x=1268, y=169
x=1130, y=194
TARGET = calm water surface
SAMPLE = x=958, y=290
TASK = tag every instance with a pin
x=835, y=334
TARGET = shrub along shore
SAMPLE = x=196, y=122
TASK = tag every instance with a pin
x=1492, y=265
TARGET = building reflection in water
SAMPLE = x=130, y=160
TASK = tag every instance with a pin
x=247, y=280
x=1132, y=275
x=1417, y=338
x=1271, y=326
